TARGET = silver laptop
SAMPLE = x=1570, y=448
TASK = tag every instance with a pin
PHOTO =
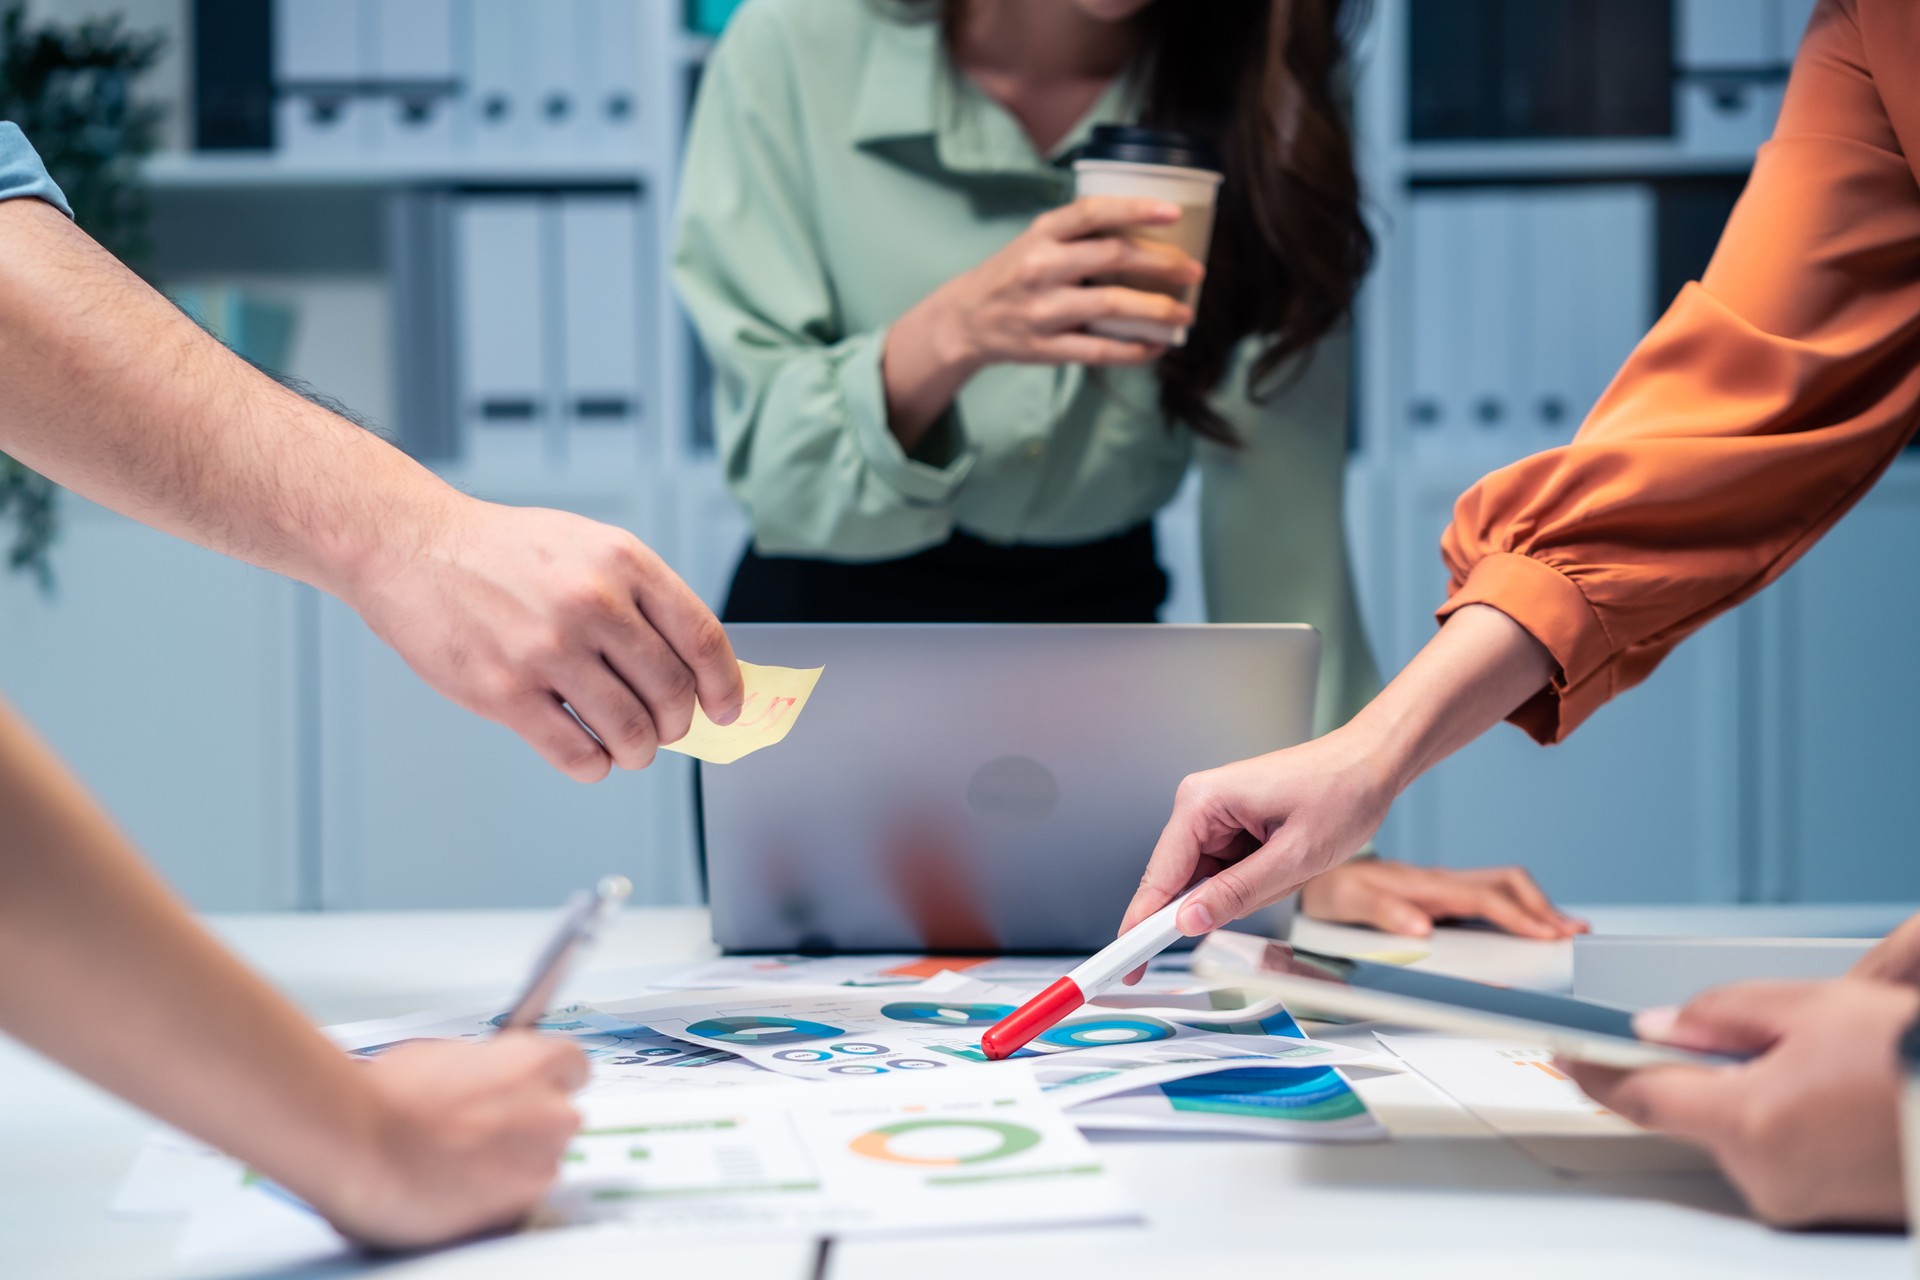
x=982, y=789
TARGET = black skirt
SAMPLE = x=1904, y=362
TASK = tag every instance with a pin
x=965, y=579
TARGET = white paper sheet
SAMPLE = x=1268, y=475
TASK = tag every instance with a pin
x=620, y=1053
x=173, y=1175
x=1297, y=1104
x=248, y=1224
x=973, y=1150
x=839, y=1033
x=1023, y=973
x=1072, y=1079
x=1516, y=1091
x=965, y=1151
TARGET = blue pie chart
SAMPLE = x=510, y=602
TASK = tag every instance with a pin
x=945, y=1015
x=748, y=1029
x=1091, y=1033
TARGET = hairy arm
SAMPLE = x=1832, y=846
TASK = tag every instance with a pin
x=112, y=392
x=571, y=633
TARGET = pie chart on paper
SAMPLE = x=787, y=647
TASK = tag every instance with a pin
x=932, y=1014
x=756, y=1030
x=945, y=1142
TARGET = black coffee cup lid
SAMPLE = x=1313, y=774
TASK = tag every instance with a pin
x=1132, y=144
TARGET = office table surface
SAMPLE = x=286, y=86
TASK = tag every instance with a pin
x=1443, y=1199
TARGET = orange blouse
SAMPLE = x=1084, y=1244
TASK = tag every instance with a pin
x=1768, y=399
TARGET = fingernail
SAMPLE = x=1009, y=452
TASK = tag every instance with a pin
x=1655, y=1024
x=1195, y=919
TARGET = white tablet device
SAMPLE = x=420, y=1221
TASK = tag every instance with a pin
x=1312, y=981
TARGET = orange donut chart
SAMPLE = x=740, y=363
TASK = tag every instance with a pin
x=877, y=1144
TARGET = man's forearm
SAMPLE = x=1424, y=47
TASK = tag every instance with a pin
x=1475, y=672
x=109, y=390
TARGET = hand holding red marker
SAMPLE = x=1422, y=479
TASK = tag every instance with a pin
x=1121, y=956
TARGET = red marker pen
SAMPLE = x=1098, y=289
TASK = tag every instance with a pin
x=1114, y=961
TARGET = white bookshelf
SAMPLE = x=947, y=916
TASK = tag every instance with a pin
x=249, y=171
x=1702, y=784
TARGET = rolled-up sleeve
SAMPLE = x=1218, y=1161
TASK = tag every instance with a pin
x=1759, y=409
x=800, y=406
x=22, y=176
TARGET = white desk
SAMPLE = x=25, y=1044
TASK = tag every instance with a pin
x=1425, y=1205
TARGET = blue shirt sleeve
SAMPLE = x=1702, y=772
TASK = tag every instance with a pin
x=22, y=174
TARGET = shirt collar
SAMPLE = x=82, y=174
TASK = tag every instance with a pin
x=912, y=104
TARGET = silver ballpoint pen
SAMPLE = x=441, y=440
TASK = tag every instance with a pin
x=586, y=911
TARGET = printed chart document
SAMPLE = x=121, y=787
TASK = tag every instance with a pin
x=1071, y=1079
x=775, y=698
x=787, y=1110
x=841, y=1033
x=1301, y=1103
x=621, y=1054
x=1166, y=974
x=1516, y=1091
x=970, y=1150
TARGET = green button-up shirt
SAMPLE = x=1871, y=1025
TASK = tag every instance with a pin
x=839, y=171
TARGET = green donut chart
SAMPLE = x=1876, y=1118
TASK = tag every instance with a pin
x=945, y=1142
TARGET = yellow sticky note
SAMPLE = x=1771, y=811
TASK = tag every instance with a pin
x=775, y=698
x=1393, y=957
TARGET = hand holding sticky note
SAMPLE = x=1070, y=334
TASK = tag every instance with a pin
x=775, y=698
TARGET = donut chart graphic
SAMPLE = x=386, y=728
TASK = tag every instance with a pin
x=757, y=1030
x=857, y=1069
x=802, y=1055
x=1087, y=1033
x=945, y=1142
x=915, y=1064
x=564, y=1021
x=859, y=1048
x=945, y=1015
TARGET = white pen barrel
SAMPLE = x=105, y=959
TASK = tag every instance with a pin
x=1131, y=949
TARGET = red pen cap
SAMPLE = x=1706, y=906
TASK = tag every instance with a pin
x=1030, y=1019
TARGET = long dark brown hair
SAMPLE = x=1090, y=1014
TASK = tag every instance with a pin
x=1261, y=80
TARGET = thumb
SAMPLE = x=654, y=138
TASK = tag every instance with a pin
x=1691, y=1103
x=1221, y=900
x=1745, y=1018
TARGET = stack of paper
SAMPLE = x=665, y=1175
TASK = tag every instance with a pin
x=1516, y=1090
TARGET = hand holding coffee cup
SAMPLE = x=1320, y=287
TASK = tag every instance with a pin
x=1163, y=166
x=1033, y=303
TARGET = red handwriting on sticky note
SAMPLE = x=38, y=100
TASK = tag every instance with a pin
x=775, y=698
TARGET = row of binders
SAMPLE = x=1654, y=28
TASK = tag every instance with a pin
x=1705, y=74
x=549, y=321
x=1523, y=303
x=421, y=79
x=1731, y=59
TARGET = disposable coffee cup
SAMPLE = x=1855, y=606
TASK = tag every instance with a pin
x=1157, y=164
